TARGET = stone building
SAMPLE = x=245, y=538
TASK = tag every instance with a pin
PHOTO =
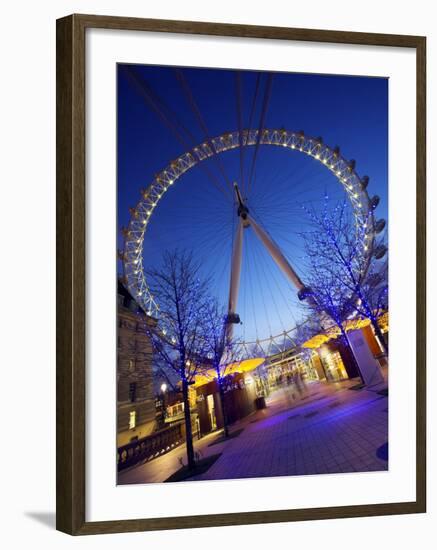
x=135, y=396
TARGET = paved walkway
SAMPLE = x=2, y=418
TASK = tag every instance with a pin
x=332, y=429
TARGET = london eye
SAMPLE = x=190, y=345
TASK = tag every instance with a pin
x=240, y=200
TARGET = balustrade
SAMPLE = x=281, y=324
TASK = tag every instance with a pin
x=150, y=447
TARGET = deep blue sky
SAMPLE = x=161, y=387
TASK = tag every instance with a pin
x=351, y=112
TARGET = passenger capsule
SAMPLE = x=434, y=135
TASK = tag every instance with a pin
x=304, y=293
x=374, y=201
x=380, y=251
x=379, y=225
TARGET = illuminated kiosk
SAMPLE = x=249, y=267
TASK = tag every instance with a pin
x=242, y=386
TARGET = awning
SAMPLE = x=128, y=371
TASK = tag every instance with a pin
x=350, y=324
x=247, y=365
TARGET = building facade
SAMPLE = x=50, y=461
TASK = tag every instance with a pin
x=136, y=409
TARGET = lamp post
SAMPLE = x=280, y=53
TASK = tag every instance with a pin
x=163, y=390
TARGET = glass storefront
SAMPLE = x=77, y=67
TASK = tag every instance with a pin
x=281, y=369
x=333, y=364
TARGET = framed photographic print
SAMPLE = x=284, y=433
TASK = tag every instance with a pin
x=240, y=274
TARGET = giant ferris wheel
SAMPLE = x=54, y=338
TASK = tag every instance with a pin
x=242, y=214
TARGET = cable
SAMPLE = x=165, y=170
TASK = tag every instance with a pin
x=240, y=125
x=266, y=99
x=170, y=120
x=198, y=115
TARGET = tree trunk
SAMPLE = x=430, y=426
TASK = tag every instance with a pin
x=188, y=431
x=222, y=403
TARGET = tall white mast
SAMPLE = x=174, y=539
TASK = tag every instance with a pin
x=272, y=248
x=235, y=281
x=276, y=254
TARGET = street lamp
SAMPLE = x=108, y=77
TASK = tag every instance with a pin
x=163, y=390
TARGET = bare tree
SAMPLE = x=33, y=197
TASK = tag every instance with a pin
x=221, y=351
x=375, y=289
x=331, y=301
x=341, y=281
x=178, y=341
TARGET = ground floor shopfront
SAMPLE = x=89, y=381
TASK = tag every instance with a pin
x=241, y=392
x=333, y=360
x=325, y=359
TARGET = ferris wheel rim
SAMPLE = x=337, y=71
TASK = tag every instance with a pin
x=342, y=169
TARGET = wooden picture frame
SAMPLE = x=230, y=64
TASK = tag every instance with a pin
x=71, y=248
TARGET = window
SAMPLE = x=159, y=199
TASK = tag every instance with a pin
x=131, y=365
x=132, y=392
x=132, y=419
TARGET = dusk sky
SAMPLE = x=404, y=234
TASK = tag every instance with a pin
x=196, y=215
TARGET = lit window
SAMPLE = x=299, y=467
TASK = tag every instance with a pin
x=132, y=419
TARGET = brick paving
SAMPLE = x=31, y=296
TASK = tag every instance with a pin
x=330, y=430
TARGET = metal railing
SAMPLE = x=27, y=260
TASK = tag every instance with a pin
x=150, y=447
